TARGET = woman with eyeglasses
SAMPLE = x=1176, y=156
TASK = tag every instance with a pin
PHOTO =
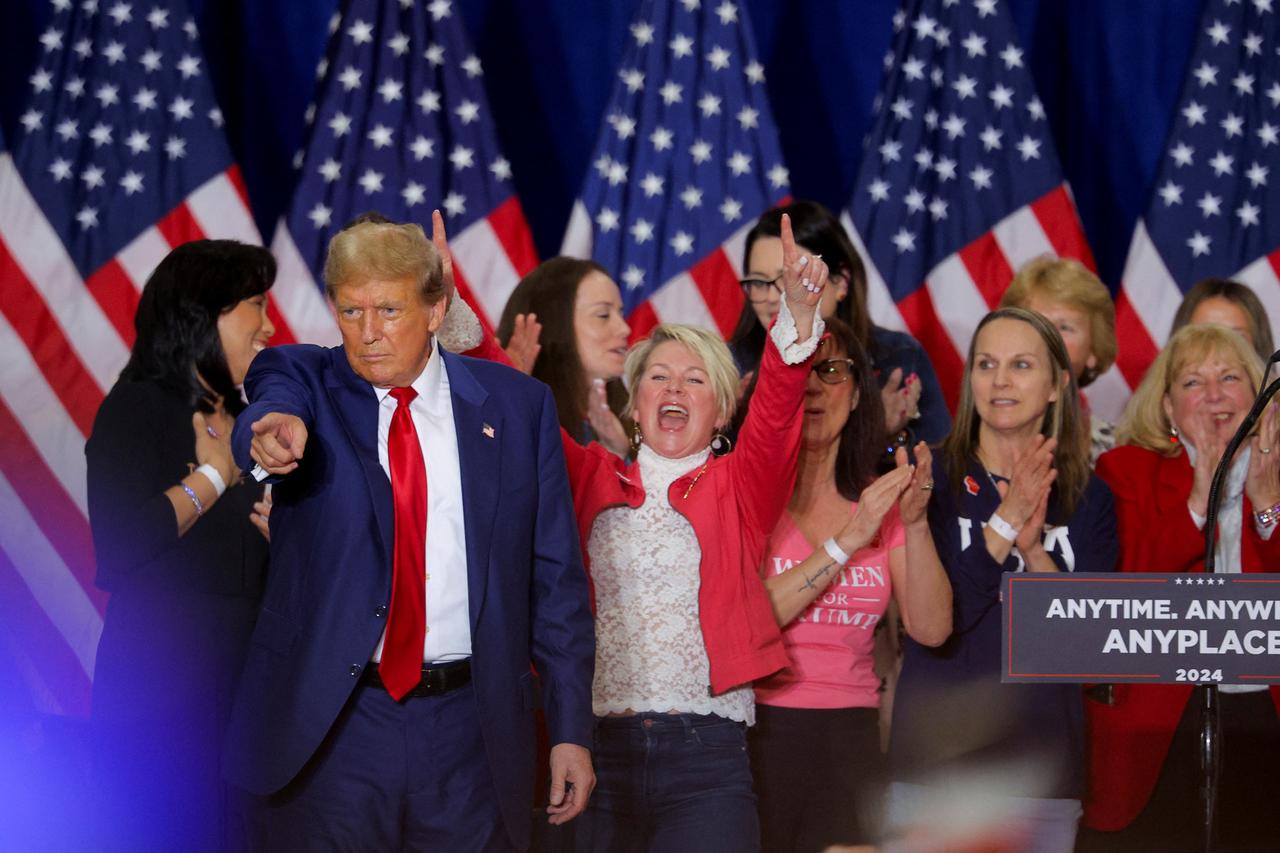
x=815, y=749
x=911, y=397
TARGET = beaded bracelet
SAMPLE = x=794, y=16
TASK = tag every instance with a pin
x=1268, y=516
x=195, y=500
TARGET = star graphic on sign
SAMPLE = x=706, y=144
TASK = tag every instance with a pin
x=1199, y=244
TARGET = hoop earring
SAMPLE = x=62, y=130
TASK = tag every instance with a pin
x=637, y=437
x=721, y=444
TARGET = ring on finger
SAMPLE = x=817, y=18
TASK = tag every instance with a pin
x=924, y=487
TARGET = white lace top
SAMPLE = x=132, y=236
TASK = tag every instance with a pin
x=650, y=655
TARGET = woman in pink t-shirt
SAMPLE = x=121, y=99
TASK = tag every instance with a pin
x=815, y=749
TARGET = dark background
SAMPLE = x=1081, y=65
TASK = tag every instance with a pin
x=1108, y=71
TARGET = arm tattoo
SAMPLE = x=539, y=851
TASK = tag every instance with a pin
x=821, y=572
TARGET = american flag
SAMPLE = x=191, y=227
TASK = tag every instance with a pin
x=119, y=157
x=687, y=160
x=401, y=125
x=959, y=184
x=1216, y=207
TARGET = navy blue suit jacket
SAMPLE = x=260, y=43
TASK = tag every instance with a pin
x=329, y=583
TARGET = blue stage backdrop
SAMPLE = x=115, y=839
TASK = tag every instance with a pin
x=1108, y=72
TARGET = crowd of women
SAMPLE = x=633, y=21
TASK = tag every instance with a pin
x=792, y=547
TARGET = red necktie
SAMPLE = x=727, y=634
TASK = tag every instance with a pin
x=401, y=667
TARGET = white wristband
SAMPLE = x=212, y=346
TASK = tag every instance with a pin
x=212, y=475
x=1003, y=529
x=835, y=552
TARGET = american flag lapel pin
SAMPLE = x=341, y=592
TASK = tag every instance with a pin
x=488, y=431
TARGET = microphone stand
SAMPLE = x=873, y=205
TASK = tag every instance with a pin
x=1210, y=717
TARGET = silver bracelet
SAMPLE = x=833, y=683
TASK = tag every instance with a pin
x=835, y=551
x=195, y=500
x=1002, y=528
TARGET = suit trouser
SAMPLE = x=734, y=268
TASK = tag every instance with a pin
x=409, y=775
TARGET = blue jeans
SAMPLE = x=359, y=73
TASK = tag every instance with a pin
x=670, y=783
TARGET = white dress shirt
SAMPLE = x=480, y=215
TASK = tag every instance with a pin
x=448, y=617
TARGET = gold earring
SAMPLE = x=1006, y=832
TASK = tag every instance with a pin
x=637, y=437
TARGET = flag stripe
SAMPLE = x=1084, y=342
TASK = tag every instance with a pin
x=1021, y=239
x=45, y=265
x=1057, y=215
x=39, y=334
x=642, y=321
x=924, y=324
x=987, y=267
x=300, y=300
x=178, y=226
x=679, y=301
x=42, y=415
x=718, y=286
x=57, y=515
x=114, y=290
x=61, y=684
x=480, y=256
x=508, y=223
x=1138, y=349
x=1263, y=275
x=58, y=592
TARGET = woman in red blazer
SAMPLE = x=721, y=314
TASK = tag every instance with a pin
x=1143, y=770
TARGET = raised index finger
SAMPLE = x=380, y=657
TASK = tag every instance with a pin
x=789, y=252
x=437, y=233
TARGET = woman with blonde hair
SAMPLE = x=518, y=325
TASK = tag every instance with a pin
x=1143, y=740
x=1079, y=306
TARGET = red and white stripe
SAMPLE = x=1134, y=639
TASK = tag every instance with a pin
x=965, y=286
x=63, y=341
x=706, y=294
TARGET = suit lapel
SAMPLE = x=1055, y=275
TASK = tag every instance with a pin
x=480, y=432
x=356, y=407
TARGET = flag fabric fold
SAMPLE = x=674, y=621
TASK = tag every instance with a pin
x=686, y=161
x=1215, y=209
x=401, y=125
x=959, y=184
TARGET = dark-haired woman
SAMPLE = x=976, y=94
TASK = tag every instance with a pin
x=910, y=394
x=815, y=748
x=180, y=546
x=1013, y=492
x=582, y=343
x=1227, y=303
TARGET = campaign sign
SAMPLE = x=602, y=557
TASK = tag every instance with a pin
x=1141, y=628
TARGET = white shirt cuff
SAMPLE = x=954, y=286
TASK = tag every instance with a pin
x=785, y=335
